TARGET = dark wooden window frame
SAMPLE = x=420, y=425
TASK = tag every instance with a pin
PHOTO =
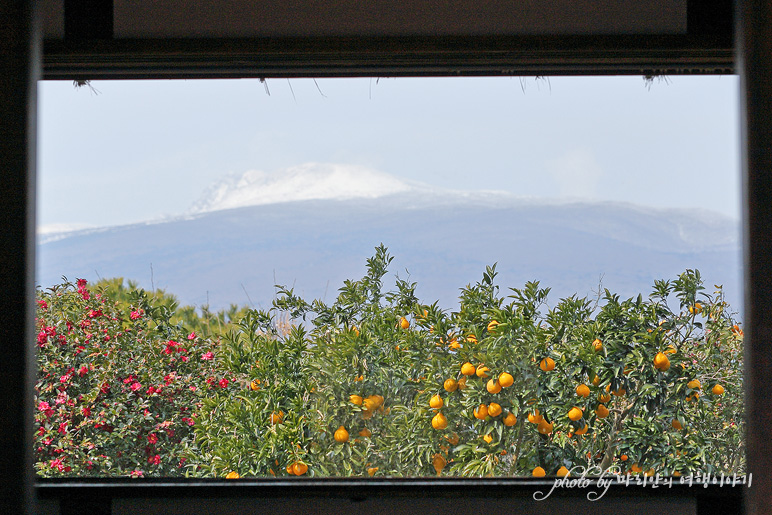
x=88, y=51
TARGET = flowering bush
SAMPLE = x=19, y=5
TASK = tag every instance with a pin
x=119, y=386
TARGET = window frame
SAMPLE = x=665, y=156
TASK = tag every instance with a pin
x=708, y=47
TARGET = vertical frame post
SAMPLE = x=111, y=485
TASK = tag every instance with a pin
x=754, y=53
x=19, y=72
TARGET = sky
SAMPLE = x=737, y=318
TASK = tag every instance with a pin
x=130, y=151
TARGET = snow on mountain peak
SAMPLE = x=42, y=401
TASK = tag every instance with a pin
x=309, y=181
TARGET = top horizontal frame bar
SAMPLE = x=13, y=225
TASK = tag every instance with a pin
x=386, y=57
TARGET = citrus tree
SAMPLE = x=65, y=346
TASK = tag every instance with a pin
x=378, y=383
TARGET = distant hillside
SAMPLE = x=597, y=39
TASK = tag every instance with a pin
x=442, y=240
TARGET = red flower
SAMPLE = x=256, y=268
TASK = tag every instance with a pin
x=184, y=359
x=83, y=371
x=192, y=336
x=82, y=283
x=152, y=438
x=155, y=460
x=136, y=315
x=223, y=383
x=86, y=411
x=135, y=386
x=43, y=304
x=94, y=313
x=63, y=428
x=208, y=356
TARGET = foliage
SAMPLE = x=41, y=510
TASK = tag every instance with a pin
x=374, y=383
x=393, y=354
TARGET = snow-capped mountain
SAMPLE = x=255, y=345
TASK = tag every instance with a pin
x=314, y=226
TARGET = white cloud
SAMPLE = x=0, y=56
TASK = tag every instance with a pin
x=576, y=173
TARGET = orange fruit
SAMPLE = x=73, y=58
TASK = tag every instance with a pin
x=534, y=418
x=404, y=323
x=493, y=386
x=462, y=383
x=299, y=468
x=452, y=438
x=676, y=424
x=468, y=369
x=365, y=433
x=596, y=380
x=370, y=404
x=620, y=392
x=718, y=390
x=575, y=414
x=355, y=330
x=544, y=427
x=649, y=473
x=341, y=435
x=439, y=463
x=481, y=412
x=254, y=385
x=488, y=438
x=277, y=418
x=482, y=371
x=623, y=457
x=492, y=325
x=356, y=399
x=510, y=420
x=636, y=468
x=506, y=380
x=661, y=362
x=547, y=364
x=450, y=385
x=597, y=345
x=602, y=411
x=604, y=397
x=436, y=402
x=232, y=475
x=439, y=421
x=538, y=472
x=367, y=414
x=695, y=309
x=289, y=470
x=471, y=338
x=670, y=350
x=582, y=430
x=583, y=390
x=562, y=472
x=694, y=384
x=494, y=410
x=371, y=471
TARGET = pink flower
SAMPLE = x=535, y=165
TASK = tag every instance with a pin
x=43, y=304
x=43, y=406
x=94, y=313
x=63, y=428
x=83, y=371
x=82, y=283
x=135, y=386
x=223, y=383
x=135, y=315
x=136, y=473
x=208, y=356
x=185, y=359
x=42, y=338
x=192, y=336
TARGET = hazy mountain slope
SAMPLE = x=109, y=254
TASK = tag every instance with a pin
x=444, y=240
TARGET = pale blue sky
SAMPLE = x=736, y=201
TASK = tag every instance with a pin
x=139, y=150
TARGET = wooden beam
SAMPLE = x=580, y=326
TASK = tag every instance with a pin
x=19, y=71
x=755, y=66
